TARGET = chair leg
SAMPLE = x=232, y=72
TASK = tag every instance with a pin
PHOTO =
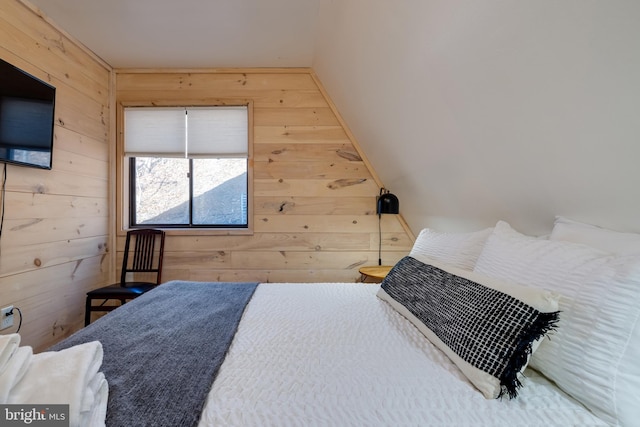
x=87, y=311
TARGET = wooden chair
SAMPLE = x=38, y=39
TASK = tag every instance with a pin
x=143, y=251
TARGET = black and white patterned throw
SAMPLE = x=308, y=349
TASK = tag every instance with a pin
x=489, y=329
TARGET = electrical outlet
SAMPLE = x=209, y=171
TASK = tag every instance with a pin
x=6, y=317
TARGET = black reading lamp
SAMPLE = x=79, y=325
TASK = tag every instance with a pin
x=387, y=204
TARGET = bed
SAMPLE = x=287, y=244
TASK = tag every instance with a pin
x=343, y=354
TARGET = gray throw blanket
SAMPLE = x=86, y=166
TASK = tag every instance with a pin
x=163, y=350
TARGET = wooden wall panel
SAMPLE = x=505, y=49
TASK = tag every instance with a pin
x=54, y=242
x=314, y=192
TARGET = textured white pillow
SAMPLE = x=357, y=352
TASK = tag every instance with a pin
x=459, y=250
x=594, y=353
x=608, y=240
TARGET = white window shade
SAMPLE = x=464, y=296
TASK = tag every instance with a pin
x=150, y=131
x=217, y=132
x=204, y=132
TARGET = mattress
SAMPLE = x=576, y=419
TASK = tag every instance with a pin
x=335, y=354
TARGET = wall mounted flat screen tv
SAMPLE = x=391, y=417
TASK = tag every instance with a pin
x=27, y=107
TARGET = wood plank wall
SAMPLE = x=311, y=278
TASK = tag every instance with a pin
x=54, y=242
x=314, y=192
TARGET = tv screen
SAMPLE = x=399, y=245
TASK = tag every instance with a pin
x=27, y=107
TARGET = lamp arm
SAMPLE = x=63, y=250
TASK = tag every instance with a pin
x=379, y=239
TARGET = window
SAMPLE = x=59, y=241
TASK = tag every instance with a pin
x=188, y=167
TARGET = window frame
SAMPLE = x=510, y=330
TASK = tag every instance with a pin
x=124, y=179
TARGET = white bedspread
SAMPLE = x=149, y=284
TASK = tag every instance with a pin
x=333, y=354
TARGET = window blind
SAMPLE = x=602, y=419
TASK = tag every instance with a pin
x=189, y=132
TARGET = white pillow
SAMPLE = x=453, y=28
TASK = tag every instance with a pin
x=459, y=250
x=594, y=353
x=598, y=237
x=486, y=326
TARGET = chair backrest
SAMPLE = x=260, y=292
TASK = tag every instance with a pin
x=143, y=252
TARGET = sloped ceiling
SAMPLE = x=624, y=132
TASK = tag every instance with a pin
x=470, y=111
x=474, y=111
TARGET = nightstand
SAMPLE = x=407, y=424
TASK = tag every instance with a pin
x=375, y=272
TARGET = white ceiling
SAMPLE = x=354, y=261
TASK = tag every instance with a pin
x=191, y=33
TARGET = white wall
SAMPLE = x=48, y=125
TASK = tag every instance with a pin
x=477, y=110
